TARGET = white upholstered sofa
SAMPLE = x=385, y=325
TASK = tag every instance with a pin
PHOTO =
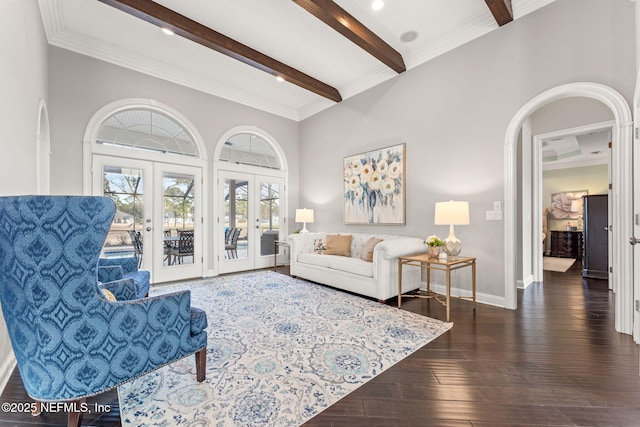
x=377, y=279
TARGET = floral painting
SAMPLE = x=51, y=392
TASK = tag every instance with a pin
x=374, y=187
x=561, y=204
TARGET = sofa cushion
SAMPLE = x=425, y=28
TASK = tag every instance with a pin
x=338, y=262
x=337, y=244
x=351, y=265
x=366, y=253
x=315, y=259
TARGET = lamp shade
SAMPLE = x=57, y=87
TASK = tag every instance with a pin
x=452, y=213
x=576, y=205
x=304, y=215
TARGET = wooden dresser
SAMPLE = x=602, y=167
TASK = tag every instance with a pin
x=566, y=244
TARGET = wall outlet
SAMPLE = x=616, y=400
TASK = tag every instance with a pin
x=494, y=215
x=497, y=205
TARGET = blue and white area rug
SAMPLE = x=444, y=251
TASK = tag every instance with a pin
x=280, y=350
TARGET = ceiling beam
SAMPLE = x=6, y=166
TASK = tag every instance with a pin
x=501, y=10
x=163, y=17
x=340, y=20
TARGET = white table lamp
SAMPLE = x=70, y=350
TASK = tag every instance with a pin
x=304, y=216
x=452, y=213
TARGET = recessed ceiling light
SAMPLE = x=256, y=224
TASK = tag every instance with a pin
x=280, y=78
x=377, y=4
x=168, y=31
x=409, y=36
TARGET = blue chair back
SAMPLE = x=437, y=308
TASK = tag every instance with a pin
x=49, y=249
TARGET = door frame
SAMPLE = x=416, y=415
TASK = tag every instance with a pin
x=622, y=195
x=91, y=147
x=538, y=203
x=255, y=260
x=218, y=250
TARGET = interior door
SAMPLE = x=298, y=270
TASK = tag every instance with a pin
x=153, y=200
x=249, y=220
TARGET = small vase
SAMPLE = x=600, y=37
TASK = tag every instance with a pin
x=433, y=251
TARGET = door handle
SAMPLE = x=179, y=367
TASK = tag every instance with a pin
x=148, y=228
x=609, y=228
x=633, y=240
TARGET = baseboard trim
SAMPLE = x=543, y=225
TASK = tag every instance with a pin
x=524, y=284
x=481, y=298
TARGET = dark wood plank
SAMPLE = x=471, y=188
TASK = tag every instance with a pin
x=557, y=360
x=163, y=17
x=343, y=22
x=501, y=11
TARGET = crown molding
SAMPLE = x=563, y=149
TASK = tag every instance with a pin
x=59, y=36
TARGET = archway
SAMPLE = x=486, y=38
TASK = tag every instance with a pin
x=622, y=195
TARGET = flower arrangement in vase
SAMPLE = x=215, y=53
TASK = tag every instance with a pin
x=433, y=245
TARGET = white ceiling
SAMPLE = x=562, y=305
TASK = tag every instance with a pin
x=585, y=149
x=278, y=28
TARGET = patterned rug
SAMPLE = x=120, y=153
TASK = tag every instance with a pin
x=280, y=350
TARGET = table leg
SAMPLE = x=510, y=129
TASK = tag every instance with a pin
x=428, y=268
x=473, y=283
x=448, y=292
x=399, y=283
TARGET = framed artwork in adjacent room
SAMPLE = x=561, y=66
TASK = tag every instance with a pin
x=567, y=205
x=374, y=187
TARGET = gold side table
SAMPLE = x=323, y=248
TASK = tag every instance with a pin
x=276, y=249
x=429, y=263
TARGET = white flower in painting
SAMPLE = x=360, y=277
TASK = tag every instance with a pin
x=357, y=193
x=375, y=180
x=355, y=167
x=354, y=182
x=365, y=172
x=347, y=173
x=388, y=186
x=394, y=170
x=383, y=167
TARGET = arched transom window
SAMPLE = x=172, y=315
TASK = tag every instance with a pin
x=249, y=149
x=146, y=129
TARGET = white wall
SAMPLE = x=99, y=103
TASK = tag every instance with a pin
x=453, y=113
x=80, y=85
x=23, y=83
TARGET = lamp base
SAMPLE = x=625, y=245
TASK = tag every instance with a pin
x=304, y=228
x=452, y=245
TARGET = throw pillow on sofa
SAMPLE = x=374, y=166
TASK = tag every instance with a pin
x=338, y=244
x=366, y=254
x=318, y=246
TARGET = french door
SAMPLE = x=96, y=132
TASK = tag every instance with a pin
x=250, y=220
x=159, y=204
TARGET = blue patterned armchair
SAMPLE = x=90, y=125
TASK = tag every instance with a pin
x=69, y=340
x=116, y=268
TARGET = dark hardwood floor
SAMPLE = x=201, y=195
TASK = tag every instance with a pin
x=556, y=361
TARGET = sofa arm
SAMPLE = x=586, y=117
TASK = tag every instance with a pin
x=390, y=249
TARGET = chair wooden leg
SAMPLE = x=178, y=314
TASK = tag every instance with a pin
x=201, y=364
x=37, y=408
x=75, y=417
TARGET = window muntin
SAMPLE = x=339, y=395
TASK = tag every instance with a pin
x=249, y=149
x=146, y=129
